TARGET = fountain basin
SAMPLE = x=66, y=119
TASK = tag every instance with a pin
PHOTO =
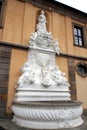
x=47, y=114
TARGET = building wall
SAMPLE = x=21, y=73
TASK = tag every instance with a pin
x=19, y=21
x=81, y=85
x=18, y=59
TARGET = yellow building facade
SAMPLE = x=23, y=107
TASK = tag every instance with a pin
x=18, y=20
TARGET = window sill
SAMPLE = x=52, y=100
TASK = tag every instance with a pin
x=80, y=46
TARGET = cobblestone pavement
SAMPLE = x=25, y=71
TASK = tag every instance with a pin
x=7, y=124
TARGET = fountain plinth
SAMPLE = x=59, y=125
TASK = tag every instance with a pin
x=42, y=99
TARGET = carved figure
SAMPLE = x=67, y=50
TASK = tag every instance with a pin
x=41, y=26
x=32, y=40
x=57, y=49
x=58, y=76
x=25, y=67
x=27, y=77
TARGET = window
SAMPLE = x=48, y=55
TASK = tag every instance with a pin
x=1, y=11
x=0, y=5
x=78, y=36
x=82, y=69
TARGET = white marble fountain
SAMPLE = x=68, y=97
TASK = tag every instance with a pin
x=42, y=99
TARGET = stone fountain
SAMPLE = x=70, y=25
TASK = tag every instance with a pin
x=42, y=99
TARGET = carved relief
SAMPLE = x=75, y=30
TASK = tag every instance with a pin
x=45, y=77
x=64, y=115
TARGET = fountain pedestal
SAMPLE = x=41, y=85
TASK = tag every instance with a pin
x=42, y=99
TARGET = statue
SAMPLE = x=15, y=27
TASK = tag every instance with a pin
x=41, y=26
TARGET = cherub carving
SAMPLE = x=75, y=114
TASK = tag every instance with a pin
x=27, y=77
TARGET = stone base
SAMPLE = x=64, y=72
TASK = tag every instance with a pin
x=47, y=115
x=39, y=93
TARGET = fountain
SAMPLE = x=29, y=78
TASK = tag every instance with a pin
x=42, y=99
